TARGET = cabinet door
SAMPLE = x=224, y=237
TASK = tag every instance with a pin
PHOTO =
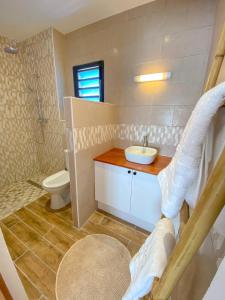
x=146, y=197
x=113, y=186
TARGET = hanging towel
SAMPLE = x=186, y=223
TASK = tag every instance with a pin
x=178, y=177
x=204, y=168
x=151, y=260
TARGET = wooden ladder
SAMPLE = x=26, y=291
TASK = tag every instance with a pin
x=194, y=230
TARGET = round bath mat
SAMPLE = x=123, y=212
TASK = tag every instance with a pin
x=95, y=268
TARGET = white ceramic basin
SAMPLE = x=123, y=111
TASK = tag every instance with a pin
x=140, y=155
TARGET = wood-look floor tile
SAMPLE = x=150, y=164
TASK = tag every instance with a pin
x=110, y=216
x=92, y=228
x=44, y=250
x=96, y=217
x=42, y=201
x=35, y=222
x=48, y=254
x=133, y=247
x=38, y=273
x=10, y=220
x=124, y=230
x=32, y=292
x=51, y=217
x=26, y=234
x=59, y=239
x=66, y=215
x=16, y=248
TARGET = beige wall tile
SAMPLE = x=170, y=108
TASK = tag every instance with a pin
x=160, y=36
x=181, y=115
x=193, y=42
x=161, y=115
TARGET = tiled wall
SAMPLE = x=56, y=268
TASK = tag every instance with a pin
x=18, y=147
x=59, y=55
x=39, y=66
x=26, y=147
x=90, y=129
x=165, y=35
x=123, y=134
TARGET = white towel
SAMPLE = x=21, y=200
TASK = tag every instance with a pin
x=204, y=168
x=151, y=260
x=177, y=178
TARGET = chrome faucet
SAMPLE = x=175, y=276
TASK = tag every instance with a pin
x=145, y=141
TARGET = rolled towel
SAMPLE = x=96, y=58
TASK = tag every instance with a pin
x=178, y=178
x=151, y=260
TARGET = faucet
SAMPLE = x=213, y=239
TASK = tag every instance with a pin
x=145, y=141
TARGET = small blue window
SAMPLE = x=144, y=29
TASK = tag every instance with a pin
x=89, y=81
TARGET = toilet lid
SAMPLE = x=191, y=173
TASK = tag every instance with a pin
x=56, y=180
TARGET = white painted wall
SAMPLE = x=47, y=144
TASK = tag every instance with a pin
x=9, y=273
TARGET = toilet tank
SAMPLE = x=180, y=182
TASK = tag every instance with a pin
x=66, y=155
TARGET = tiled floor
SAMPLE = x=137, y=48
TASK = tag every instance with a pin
x=38, y=178
x=38, y=239
x=16, y=195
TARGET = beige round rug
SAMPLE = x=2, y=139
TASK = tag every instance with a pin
x=95, y=268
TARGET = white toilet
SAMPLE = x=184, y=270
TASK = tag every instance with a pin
x=58, y=185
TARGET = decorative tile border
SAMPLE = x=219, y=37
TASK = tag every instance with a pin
x=87, y=137
x=159, y=135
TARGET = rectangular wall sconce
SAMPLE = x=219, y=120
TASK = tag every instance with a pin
x=153, y=77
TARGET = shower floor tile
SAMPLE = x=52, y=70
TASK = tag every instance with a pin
x=17, y=195
x=38, y=178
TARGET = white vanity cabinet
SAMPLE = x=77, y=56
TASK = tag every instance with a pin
x=131, y=195
x=113, y=186
x=145, y=197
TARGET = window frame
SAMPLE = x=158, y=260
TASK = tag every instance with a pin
x=100, y=65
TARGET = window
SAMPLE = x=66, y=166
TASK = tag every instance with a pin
x=89, y=81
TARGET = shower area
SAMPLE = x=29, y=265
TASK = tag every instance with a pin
x=31, y=132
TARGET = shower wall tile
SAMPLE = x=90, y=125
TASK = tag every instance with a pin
x=38, y=56
x=18, y=147
x=27, y=94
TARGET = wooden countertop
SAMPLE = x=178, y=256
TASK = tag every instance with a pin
x=116, y=157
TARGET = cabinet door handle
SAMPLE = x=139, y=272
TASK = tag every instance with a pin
x=135, y=173
x=129, y=171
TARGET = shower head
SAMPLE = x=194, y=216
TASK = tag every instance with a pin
x=11, y=49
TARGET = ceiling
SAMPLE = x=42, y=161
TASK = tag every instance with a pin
x=20, y=19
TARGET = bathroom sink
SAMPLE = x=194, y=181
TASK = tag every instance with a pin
x=140, y=155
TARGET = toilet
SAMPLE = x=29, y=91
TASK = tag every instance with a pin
x=58, y=185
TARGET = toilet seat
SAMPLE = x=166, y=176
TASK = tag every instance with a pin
x=57, y=180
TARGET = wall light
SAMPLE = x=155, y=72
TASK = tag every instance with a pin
x=153, y=77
